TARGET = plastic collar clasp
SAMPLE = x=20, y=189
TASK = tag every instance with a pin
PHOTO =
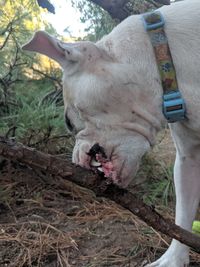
x=151, y=24
x=174, y=107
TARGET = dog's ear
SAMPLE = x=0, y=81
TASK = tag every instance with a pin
x=45, y=44
x=71, y=56
x=48, y=45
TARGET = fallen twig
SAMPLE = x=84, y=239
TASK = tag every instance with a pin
x=65, y=169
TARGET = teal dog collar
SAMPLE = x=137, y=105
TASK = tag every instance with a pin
x=174, y=108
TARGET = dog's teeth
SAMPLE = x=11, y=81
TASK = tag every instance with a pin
x=95, y=163
x=100, y=169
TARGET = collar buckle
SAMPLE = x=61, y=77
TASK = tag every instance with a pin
x=174, y=107
x=153, y=20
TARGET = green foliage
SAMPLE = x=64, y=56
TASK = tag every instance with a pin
x=32, y=119
x=98, y=21
x=25, y=78
x=19, y=19
x=161, y=191
x=159, y=186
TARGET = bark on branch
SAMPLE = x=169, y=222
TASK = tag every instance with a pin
x=119, y=9
x=63, y=168
x=114, y=7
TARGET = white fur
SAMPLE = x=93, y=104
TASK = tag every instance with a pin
x=113, y=96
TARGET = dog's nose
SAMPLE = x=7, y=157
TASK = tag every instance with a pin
x=97, y=149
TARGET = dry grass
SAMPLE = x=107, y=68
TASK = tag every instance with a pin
x=34, y=241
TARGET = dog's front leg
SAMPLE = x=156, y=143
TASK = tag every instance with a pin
x=187, y=185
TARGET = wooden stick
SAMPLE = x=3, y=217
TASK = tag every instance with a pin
x=65, y=169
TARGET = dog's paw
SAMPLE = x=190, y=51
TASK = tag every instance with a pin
x=168, y=263
x=177, y=255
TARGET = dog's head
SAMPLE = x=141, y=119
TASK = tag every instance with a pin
x=103, y=104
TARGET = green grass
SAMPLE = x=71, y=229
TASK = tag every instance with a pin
x=161, y=191
x=31, y=118
x=158, y=188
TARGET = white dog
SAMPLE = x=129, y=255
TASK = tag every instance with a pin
x=113, y=96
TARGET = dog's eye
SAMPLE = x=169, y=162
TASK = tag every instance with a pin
x=68, y=123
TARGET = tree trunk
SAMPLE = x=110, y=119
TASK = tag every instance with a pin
x=121, y=9
x=116, y=8
x=65, y=169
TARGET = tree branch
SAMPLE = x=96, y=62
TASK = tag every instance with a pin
x=114, y=7
x=163, y=2
x=118, y=8
x=63, y=168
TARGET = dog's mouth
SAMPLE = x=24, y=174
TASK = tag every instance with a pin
x=100, y=163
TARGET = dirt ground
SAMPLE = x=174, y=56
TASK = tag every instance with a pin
x=62, y=225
